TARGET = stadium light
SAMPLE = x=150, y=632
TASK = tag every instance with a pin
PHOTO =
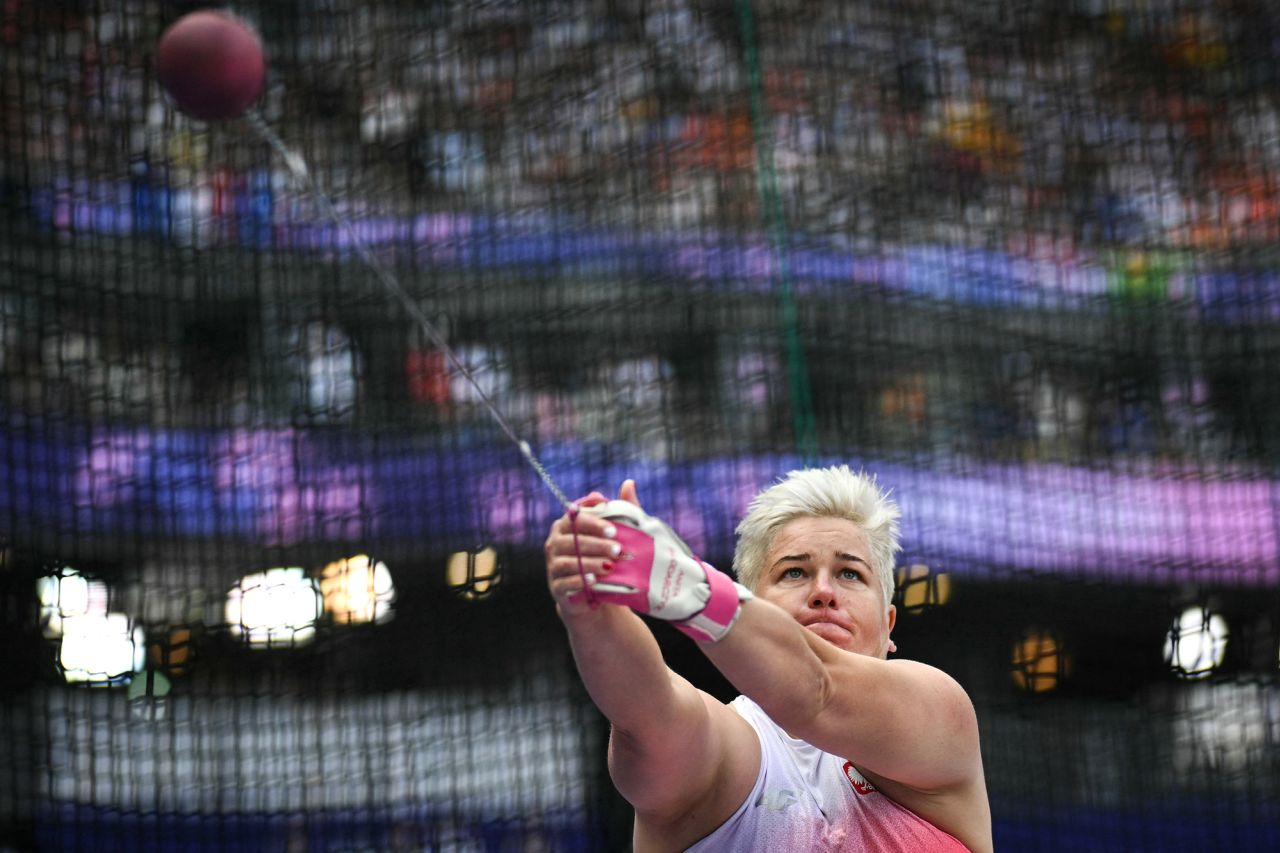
x=358, y=590
x=65, y=595
x=101, y=649
x=171, y=650
x=1196, y=643
x=277, y=608
x=473, y=573
x=1041, y=661
x=920, y=588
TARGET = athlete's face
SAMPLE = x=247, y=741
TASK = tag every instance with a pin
x=819, y=571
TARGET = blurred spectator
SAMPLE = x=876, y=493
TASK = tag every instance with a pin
x=1059, y=411
x=490, y=374
x=751, y=377
x=328, y=370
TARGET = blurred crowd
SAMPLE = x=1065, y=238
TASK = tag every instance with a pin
x=1068, y=125
x=1125, y=134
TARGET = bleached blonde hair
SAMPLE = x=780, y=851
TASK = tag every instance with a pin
x=835, y=492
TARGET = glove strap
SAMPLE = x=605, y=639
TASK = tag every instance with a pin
x=712, y=622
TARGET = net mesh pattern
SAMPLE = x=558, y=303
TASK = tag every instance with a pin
x=271, y=570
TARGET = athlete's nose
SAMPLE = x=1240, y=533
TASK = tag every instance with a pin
x=822, y=592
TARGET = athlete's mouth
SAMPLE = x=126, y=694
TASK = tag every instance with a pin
x=818, y=625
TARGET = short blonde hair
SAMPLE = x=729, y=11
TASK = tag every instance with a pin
x=835, y=492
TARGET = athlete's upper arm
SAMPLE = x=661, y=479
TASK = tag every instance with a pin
x=900, y=719
x=700, y=759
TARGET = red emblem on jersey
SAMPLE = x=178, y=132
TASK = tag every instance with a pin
x=856, y=779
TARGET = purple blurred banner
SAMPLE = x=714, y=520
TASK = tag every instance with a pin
x=255, y=216
x=288, y=487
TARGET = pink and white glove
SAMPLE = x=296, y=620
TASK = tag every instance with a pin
x=657, y=574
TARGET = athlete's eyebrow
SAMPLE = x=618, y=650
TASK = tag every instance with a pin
x=800, y=558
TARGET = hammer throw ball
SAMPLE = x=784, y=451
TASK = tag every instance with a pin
x=212, y=65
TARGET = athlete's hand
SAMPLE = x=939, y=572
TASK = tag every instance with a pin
x=573, y=561
x=653, y=571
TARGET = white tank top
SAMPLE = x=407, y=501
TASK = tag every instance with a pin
x=805, y=799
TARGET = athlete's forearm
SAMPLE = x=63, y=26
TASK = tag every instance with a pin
x=622, y=668
x=769, y=657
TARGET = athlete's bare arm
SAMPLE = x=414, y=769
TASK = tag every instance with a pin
x=909, y=726
x=681, y=758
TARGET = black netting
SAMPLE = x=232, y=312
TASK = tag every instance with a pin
x=1017, y=259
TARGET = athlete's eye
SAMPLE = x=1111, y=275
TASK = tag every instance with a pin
x=851, y=574
x=792, y=574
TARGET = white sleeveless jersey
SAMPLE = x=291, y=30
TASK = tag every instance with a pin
x=805, y=799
